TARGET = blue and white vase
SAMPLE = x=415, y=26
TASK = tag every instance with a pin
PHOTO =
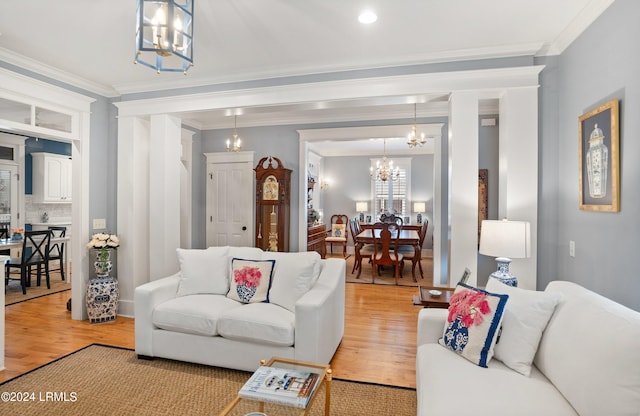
x=245, y=293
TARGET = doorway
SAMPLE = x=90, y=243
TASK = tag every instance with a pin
x=229, y=206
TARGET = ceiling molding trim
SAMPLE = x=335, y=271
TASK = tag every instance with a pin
x=527, y=49
x=495, y=80
x=55, y=73
x=579, y=24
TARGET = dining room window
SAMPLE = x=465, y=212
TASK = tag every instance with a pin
x=393, y=195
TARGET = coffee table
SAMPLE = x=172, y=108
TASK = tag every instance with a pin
x=241, y=406
x=429, y=301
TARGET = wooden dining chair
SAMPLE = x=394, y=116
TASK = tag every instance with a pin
x=386, y=249
x=409, y=252
x=361, y=251
x=35, y=252
x=338, y=232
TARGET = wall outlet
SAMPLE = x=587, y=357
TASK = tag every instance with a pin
x=572, y=248
x=99, y=224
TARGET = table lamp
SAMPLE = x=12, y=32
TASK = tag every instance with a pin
x=361, y=207
x=505, y=240
x=419, y=207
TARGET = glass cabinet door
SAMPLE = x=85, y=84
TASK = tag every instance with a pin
x=8, y=195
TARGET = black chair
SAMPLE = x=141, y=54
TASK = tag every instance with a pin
x=35, y=252
x=4, y=234
x=56, y=250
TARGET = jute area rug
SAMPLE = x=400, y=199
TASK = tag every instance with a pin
x=14, y=294
x=387, y=276
x=101, y=380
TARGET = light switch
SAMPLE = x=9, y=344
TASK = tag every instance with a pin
x=99, y=223
x=572, y=248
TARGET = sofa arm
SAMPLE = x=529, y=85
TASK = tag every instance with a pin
x=431, y=325
x=146, y=297
x=319, y=315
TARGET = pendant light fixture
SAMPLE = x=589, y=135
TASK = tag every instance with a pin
x=412, y=139
x=384, y=170
x=233, y=144
x=164, y=35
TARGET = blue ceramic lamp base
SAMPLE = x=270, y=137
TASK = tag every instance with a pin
x=502, y=274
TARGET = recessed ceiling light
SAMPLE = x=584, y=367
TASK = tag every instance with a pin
x=367, y=17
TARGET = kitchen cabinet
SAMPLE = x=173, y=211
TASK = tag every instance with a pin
x=51, y=178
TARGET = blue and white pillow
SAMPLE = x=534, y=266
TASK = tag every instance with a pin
x=473, y=323
x=250, y=280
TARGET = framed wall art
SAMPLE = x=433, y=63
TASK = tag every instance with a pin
x=599, y=159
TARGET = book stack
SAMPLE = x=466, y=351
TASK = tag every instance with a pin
x=280, y=386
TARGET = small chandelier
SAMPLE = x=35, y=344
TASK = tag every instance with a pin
x=164, y=35
x=384, y=170
x=412, y=139
x=233, y=144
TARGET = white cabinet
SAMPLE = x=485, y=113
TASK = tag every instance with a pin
x=51, y=178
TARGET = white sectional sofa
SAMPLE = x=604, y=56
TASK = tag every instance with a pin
x=195, y=315
x=587, y=363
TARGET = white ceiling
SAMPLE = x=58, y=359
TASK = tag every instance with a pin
x=90, y=44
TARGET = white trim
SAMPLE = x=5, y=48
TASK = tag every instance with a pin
x=55, y=73
x=490, y=81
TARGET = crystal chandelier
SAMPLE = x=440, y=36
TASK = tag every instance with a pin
x=412, y=139
x=164, y=35
x=384, y=170
x=233, y=144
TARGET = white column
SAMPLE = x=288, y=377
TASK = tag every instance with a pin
x=133, y=208
x=164, y=195
x=518, y=197
x=440, y=215
x=463, y=185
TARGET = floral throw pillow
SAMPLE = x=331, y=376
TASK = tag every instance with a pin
x=250, y=280
x=473, y=323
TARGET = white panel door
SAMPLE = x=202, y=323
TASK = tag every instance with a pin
x=229, y=204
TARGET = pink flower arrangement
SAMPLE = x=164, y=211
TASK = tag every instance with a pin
x=248, y=276
x=470, y=305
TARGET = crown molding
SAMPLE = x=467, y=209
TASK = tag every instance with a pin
x=38, y=67
x=581, y=22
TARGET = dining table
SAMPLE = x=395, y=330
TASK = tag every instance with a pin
x=8, y=244
x=406, y=238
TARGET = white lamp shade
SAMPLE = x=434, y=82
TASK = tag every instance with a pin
x=419, y=207
x=361, y=207
x=502, y=238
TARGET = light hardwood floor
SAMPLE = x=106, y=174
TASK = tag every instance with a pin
x=379, y=344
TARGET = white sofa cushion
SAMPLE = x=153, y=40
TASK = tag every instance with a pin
x=473, y=322
x=262, y=323
x=294, y=275
x=525, y=317
x=590, y=351
x=448, y=385
x=203, y=271
x=193, y=314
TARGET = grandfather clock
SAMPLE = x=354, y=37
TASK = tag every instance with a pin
x=273, y=202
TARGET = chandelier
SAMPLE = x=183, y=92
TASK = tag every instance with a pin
x=412, y=139
x=164, y=35
x=233, y=144
x=384, y=170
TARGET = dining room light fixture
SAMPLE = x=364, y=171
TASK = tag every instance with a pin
x=385, y=170
x=164, y=35
x=234, y=144
x=413, y=139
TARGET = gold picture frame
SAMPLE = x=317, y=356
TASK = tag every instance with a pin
x=599, y=158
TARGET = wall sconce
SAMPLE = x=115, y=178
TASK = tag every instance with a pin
x=419, y=207
x=325, y=183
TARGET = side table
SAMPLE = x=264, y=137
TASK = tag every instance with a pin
x=429, y=301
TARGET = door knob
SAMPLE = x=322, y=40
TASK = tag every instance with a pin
x=244, y=228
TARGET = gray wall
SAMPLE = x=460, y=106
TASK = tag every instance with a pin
x=601, y=64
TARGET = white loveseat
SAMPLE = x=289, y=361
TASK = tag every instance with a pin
x=303, y=318
x=587, y=363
